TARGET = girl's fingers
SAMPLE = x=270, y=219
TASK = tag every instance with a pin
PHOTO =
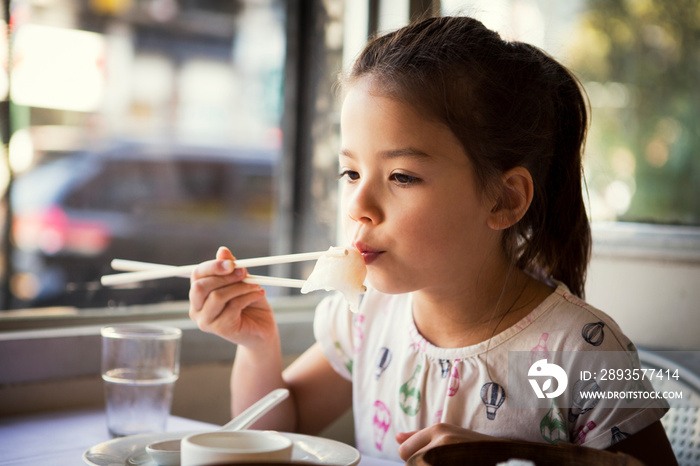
x=224, y=253
x=222, y=265
x=232, y=298
x=401, y=437
x=229, y=321
x=220, y=303
x=201, y=288
x=213, y=267
x=209, y=296
x=412, y=442
x=437, y=434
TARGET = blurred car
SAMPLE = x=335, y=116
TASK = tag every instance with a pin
x=164, y=204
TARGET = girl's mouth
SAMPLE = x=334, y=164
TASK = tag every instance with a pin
x=369, y=254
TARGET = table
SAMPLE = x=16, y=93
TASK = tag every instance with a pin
x=60, y=438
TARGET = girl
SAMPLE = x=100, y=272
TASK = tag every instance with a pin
x=461, y=169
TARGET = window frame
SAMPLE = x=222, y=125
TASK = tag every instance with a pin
x=55, y=348
x=643, y=241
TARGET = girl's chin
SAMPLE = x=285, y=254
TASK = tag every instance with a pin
x=386, y=284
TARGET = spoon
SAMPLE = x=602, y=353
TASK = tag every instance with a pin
x=167, y=453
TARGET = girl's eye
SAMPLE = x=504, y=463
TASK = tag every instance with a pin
x=402, y=179
x=350, y=175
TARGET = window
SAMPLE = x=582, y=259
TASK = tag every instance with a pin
x=638, y=63
x=140, y=130
x=215, y=116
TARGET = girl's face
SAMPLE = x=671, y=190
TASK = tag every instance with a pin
x=410, y=202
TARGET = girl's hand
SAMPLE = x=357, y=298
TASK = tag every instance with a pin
x=220, y=303
x=437, y=434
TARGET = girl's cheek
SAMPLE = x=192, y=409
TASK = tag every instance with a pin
x=347, y=224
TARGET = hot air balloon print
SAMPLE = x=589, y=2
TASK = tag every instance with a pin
x=581, y=433
x=409, y=394
x=540, y=351
x=616, y=435
x=453, y=384
x=347, y=360
x=418, y=343
x=582, y=403
x=383, y=361
x=445, y=366
x=493, y=396
x=593, y=333
x=553, y=427
x=381, y=421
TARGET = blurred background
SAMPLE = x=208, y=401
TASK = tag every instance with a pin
x=158, y=130
x=149, y=130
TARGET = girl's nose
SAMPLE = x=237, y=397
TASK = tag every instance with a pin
x=363, y=204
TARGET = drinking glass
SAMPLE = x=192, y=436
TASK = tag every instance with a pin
x=140, y=364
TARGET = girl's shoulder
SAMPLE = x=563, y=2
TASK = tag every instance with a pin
x=569, y=323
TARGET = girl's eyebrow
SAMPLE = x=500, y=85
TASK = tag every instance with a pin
x=407, y=152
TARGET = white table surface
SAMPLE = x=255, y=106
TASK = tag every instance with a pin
x=60, y=438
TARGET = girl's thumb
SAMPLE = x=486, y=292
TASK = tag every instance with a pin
x=223, y=254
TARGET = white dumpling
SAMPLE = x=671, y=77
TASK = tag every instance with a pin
x=339, y=269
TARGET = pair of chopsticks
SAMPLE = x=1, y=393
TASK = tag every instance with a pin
x=137, y=271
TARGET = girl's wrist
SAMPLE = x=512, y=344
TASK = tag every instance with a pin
x=261, y=349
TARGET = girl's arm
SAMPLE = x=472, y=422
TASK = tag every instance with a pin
x=255, y=373
x=220, y=303
x=318, y=395
x=650, y=445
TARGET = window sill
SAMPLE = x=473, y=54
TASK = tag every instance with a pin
x=646, y=241
x=63, y=343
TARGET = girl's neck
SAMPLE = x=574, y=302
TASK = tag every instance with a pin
x=466, y=316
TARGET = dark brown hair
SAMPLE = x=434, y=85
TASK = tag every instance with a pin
x=509, y=104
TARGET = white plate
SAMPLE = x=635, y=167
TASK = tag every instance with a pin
x=131, y=450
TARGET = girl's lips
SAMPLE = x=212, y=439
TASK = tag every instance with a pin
x=368, y=254
x=370, y=257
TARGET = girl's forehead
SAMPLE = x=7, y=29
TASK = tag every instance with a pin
x=388, y=99
x=382, y=130
x=367, y=113
x=372, y=88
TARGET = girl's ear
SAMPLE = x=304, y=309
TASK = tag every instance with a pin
x=514, y=199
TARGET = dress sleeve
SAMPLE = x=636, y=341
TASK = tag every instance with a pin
x=628, y=404
x=612, y=418
x=333, y=329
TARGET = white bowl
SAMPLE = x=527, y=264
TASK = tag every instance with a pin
x=243, y=446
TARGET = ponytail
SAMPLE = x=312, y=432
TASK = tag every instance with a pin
x=559, y=241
